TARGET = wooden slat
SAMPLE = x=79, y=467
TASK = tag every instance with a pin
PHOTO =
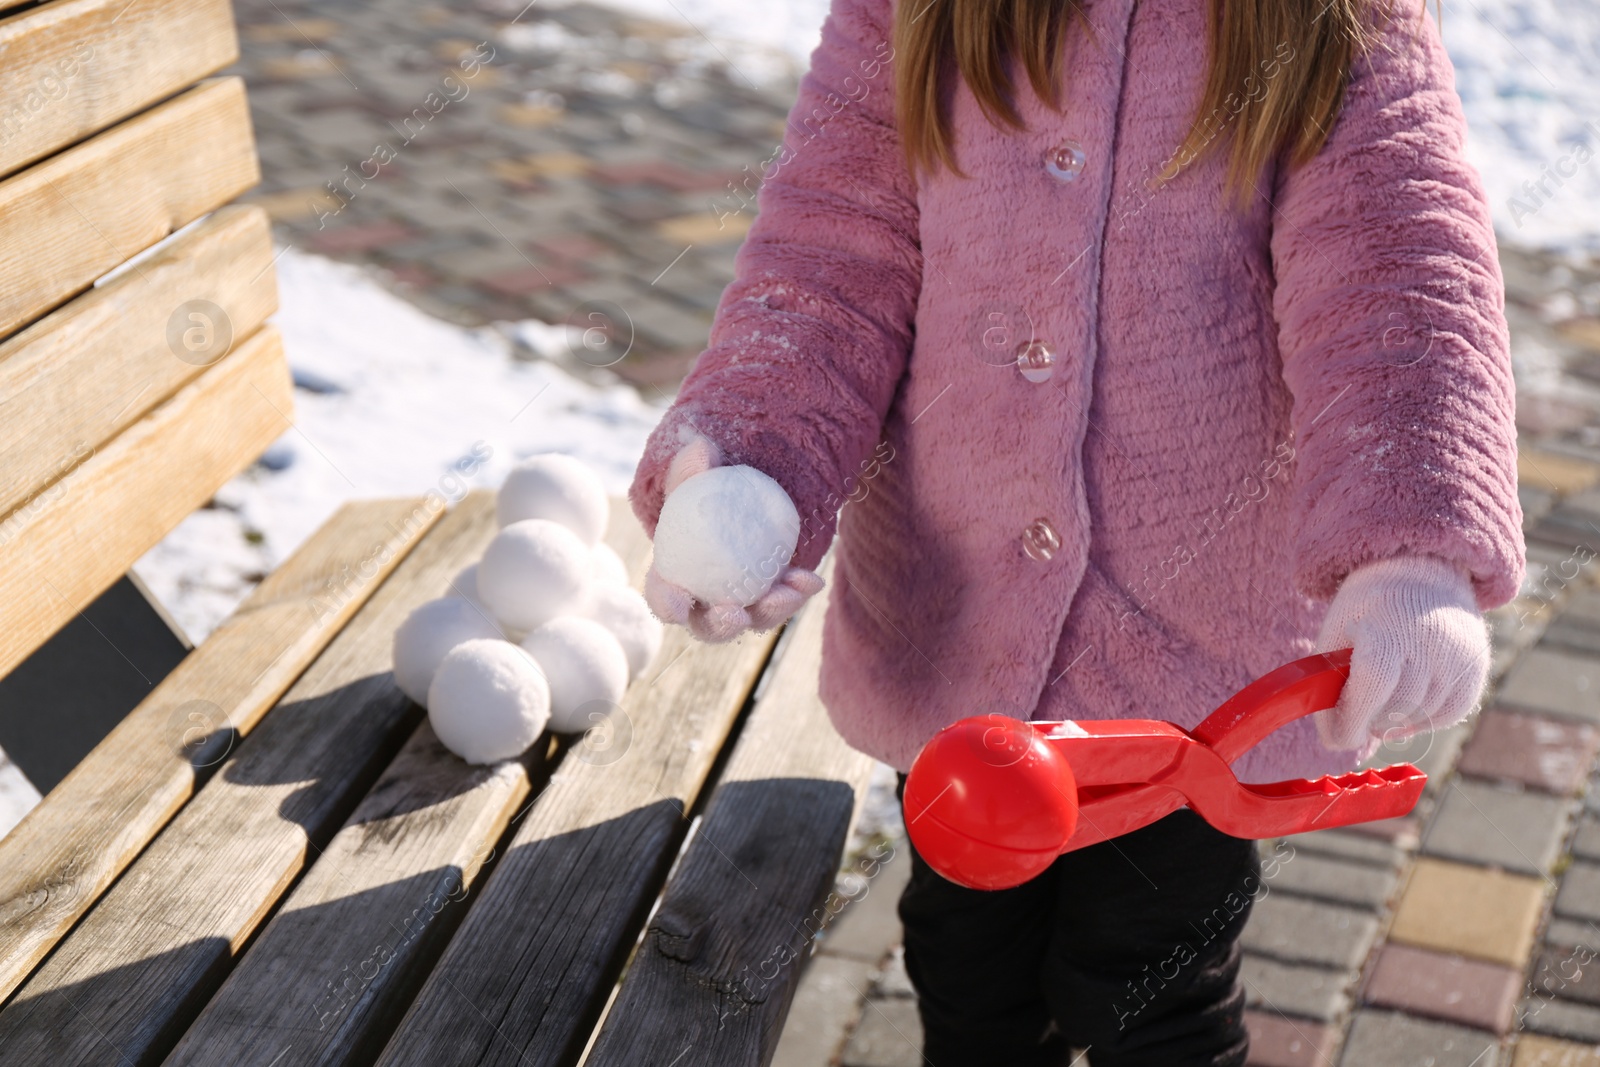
x=65, y=546
x=58, y=860
x=361, y=930
x=332, y=971
x=75, y=66
x=73, y=217
x=526, y=975
x=142, y=962
x=79, y=376
x=713, y=979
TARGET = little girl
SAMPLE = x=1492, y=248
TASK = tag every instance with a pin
x=1153, y=344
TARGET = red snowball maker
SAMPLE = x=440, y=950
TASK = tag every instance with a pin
x=991, y=801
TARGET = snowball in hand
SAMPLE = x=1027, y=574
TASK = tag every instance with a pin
x=607, y=567
x=558, y=488
x=625, y=613
x=489, y=701
x=533, y=571
x=428, y=635
x=726, y=534
x=583, y=663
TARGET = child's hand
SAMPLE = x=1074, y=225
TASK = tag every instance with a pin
x=1421, y=651
x=722, y=621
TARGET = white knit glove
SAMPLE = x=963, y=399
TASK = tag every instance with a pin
x=1421, y=651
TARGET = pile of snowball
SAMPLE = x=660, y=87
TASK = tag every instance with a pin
x=543, y=631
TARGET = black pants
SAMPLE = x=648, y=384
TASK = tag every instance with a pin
x=1128, y=948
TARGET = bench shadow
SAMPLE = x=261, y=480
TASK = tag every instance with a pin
x=335, y=979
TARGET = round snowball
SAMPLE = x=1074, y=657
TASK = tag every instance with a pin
x=726, y=534
x=625, y=613
x=607, y=567
x=583, y=663
x=533, y=571
x=489, y=701
x=427, y=636
x=465, y=586
x=558, y=488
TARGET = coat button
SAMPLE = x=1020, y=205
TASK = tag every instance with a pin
x=1040, y=540
x=1036, y=360
x=1065, y=161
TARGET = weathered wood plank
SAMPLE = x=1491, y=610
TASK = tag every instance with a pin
x=525, y=977
x=75, y=216
x=80, y=375
x=75, y=66
x=719, y=964
x=143, y=961
x=332, y=971
x=68, y=849
x=327, y=980
x=67, y=544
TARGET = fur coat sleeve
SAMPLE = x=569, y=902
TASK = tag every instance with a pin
x=810, y=340
x=1390, y=309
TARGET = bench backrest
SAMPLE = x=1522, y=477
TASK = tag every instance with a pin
x=136, y=372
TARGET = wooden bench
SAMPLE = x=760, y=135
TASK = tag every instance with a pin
x=271, y=860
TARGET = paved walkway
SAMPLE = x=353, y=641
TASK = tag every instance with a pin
x=570, y=164
x=501, y=162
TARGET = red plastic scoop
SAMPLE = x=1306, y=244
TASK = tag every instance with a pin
x=991, y=801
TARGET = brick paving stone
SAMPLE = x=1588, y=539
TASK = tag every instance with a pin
x=1277, y=1042
x=1330, y=878
x=1570, y=972
x=1586, y=840
x=1567, y=527
x=1400, y=832
x=1535, y=502
x=359, y=238
x=868, y=927
x=1569, y=634
x=1583, y=607
x=1294, y=988
x=1572, y=933
x=579, y=247
x=826, y=1005
x=1298, y=930
x=1474, y=911
x=1432, y=752
x=889, y=1035
x=484, y=259
x=1445, y=987
x=530, y=279
x=667, y=323
x=1544, y=753
x=1555, y=472
x=1535, y=1051
x=1556, y=683
x=1560, y=1018
x=1358, y=848
x=1480, y=822
x=1579, y=894
x=1389, y=1039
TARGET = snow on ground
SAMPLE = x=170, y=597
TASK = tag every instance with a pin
x=792, y=26
x=388, y=399
x=1528, y=73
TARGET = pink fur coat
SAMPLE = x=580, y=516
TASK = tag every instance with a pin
x=1108, y=450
